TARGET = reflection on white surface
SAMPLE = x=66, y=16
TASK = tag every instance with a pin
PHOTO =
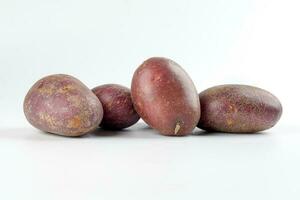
x=141, y=164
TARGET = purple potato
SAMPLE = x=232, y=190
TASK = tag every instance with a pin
x=238, y=109
x=118, y=109
x=165, y=97
x=62, y=105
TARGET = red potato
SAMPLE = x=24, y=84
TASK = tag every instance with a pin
x=62, y=105
x=165, y=97
x=238, y=109
x=118, y=109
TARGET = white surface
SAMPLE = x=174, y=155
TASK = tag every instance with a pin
x=253, y=42
x=140, y=164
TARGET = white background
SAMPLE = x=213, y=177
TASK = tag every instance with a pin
x=255, y=42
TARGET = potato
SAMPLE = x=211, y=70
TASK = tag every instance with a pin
x=238, y=109
x=117, y=106
x=62, y=105
x=165, y=97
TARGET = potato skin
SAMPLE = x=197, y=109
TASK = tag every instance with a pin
x=117, y=105
x=238, y=109
x=165, y=97
x=62, y=105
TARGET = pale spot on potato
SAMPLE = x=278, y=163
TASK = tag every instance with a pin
x=229, y=122
x=157, y=78
x=65, y=89
x=177, y=128
x=46, y=90
x=74, y=100
x=110, y=104
x=47, y=118
x=75, y=122
x=139, y=104
x=232, y=108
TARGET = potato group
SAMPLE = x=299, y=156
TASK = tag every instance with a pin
x=117, y=106
x=238, y=109
x=161, y=93
x=62, y=105
x=165, y=97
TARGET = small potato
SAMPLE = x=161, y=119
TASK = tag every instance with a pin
x=62, y=105
x=238, y=109
x=117, y=105
x=165, y=97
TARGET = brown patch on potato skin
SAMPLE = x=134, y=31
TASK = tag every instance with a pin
x=62, y=105
x=165, y=97
x=117, y=105
x=238, y=109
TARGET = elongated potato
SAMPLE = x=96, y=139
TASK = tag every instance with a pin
x=118, y=109
x=165, y=97
x=62, y=105
x=238, y=109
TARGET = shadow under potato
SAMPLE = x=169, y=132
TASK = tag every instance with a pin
x=146, y=127
x=205, y=133
x=108, y=132
x=61, y=135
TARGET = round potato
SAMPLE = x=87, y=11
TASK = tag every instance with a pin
x=238, y=109
x=165, y=97
x=117, y=105
x=62, y=105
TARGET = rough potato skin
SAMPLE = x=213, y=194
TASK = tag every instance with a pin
x=62, y=105
x=165, y=97
x=238, y=109
x=117, y=105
